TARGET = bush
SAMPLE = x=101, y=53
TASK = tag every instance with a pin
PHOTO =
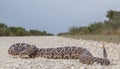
x=108, y=27
x=19, y=31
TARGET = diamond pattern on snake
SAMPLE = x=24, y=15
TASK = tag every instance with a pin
x=69, y=52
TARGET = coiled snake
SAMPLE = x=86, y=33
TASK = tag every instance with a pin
x=70, y=52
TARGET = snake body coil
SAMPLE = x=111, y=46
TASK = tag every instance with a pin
x=73, y=52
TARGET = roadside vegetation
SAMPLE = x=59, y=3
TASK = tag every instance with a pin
x=107, y=30
x=101, y=38
x=19, y=31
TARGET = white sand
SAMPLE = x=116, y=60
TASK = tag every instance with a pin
x=8, y=62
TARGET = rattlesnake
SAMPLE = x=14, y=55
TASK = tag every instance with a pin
x=70, y=52
x=22, y=49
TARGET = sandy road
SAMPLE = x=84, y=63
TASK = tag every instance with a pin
x=8, y=62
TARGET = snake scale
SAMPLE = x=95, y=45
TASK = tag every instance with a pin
x=70, y=52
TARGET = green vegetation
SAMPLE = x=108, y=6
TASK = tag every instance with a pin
x=101, y=38
x=19, y=31
x=108, y=27
x=108, y=31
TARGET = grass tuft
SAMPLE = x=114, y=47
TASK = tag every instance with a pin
x=106, y=38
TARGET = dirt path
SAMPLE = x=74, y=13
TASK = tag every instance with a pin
x=8, y=62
